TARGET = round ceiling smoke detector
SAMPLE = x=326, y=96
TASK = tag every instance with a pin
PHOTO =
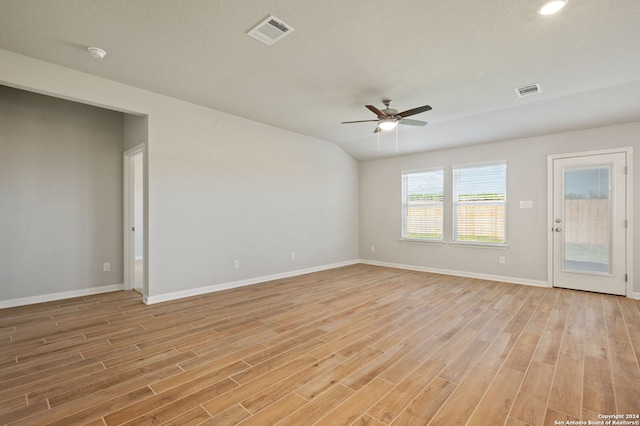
x=97, y=53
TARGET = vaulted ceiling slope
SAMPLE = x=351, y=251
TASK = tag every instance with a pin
x=462, y=57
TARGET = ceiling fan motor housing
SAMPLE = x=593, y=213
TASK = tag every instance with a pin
x=388, y=110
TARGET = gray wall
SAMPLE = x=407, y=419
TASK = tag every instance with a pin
x=135, y=130
x=223, y=188
x=60, y=195
x=527, y=229
x=219, y=187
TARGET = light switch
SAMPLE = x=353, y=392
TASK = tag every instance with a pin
x=526, y=204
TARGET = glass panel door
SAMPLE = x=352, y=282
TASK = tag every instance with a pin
x=587, y=219
x=588, y=232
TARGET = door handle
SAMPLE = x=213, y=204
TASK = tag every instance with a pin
x=557, y=229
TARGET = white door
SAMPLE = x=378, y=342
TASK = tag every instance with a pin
x=134, y=215
x=589, y=223
x=138, y=222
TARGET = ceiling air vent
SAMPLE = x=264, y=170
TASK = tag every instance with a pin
x=270, y=30
x=531, y=89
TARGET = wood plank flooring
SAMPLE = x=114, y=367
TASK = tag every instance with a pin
x=359, y=345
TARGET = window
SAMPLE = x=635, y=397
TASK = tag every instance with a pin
x=422, y=205
x=480, y=204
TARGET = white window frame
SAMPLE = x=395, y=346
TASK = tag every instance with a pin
x=456, y=206
x=405, y=204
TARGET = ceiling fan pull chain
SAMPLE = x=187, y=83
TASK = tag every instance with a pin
x=378, y=141
x=397, y=139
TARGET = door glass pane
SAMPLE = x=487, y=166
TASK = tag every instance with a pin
x=587, y=219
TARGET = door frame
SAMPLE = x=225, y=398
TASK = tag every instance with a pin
x=129, y=219
x=628, y=151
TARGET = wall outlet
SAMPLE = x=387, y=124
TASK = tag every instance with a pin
x=373, y=248
x=293, y=256
x=236, y=263
x=106, y=267
x=502, y=259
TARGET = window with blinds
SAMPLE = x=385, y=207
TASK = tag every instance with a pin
x=480, y=204
x=422, y=196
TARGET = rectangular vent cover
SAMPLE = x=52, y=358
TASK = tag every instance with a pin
x=531, y=89
x=270, y=30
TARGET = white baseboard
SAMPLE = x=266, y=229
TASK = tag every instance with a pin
x=149, y=300
x=21, y=301
x=235, y=284
x=512, y=280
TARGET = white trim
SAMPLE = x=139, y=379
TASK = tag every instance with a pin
x=628, y=151
x=511, y=280
x=430, y=169
x=549, y=230
x=127, y=183
x=480, y=164
x=150, y=300
x=630, y=234
x=21, y=301
x=421, y=241
x=472, y=244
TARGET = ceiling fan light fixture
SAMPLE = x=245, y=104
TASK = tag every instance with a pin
x=552, y=6
x=388, y=124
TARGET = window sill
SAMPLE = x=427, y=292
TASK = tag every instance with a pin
x=479, y=245
x=419, y=241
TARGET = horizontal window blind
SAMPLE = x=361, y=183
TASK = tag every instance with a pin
x=480, y=204
x=422, y=205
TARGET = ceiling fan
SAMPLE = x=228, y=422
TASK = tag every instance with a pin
x=389, y=118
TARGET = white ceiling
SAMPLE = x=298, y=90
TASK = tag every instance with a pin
x=462, y=57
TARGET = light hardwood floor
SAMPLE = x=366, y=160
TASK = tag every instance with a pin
x=357, y=345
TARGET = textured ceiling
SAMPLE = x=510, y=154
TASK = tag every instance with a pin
x=462, y=57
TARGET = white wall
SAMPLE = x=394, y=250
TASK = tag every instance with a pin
x=526, y=256
x=220, y=187
x=60, y=195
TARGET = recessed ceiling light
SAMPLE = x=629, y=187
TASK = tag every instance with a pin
x=551, y=7
x=97, y=53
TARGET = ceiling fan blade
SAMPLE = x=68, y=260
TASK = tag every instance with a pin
x=376, y=111
x=412, y=122
x=413, y=111
x=358, y=121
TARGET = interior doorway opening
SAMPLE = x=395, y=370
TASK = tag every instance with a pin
x=134, y=229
